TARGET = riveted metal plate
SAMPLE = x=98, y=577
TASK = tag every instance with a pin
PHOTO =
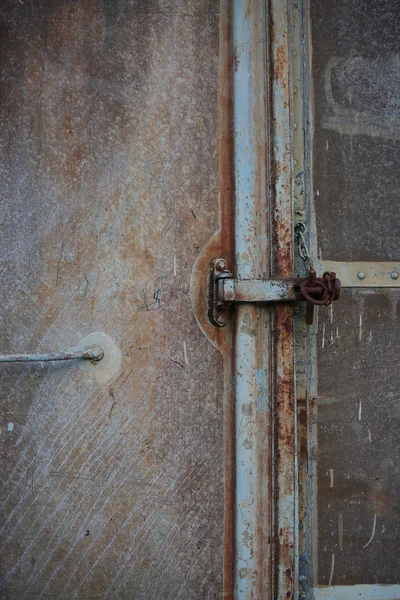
x=363, y=274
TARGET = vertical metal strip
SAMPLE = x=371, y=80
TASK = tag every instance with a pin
x=285, y=428
x=252, y=327
x=256, y=575
x=304, y=362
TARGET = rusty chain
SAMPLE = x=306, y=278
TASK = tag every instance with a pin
x=319, y=291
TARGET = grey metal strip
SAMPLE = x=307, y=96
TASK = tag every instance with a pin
x=363, y=274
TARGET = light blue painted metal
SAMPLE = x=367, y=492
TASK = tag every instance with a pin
x=253, y=409
x=265, y=528
x=258, y=290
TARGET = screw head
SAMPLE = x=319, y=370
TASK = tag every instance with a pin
x=220, y=265
x=97, y=354
x=394, y=275
x=361, y=275
x=221, y=320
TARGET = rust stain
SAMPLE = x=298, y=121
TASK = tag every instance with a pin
x=281, y=65
x=222, y=244
x=284, y=396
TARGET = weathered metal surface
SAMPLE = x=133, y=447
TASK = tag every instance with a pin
x=355, y=592
x=301, y=181
x=314, y=290
x=109, y=183
x=93, y=354
x=222, y=243
x=357, y=453
x=259, y=290
x=353, y=414
x=356, y=183
x=252, y=325
x=364, y=274
x=285, y=492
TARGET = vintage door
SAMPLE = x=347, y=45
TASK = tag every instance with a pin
x=171, y=169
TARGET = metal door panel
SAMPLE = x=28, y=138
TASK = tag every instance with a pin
x=180, y=468
x=357, y=414
x=111, y=486
x=353, y=394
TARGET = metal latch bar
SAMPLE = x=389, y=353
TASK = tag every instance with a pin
x=258, y=290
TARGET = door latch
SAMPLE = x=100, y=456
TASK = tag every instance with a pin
x=225, y=290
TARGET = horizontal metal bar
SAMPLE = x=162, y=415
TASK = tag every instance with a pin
x=94, y=354
x=257, y=290
x=362, y=274
x=355, y=592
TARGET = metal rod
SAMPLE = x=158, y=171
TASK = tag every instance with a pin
x=93, y=354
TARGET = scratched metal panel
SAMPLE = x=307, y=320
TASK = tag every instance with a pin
x=358, y=508
x=356, y=150
x=111, y=487
x=356, y=83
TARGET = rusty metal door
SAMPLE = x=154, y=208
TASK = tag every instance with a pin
x=177, y=176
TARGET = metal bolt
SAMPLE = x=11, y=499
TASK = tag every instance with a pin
x=361, y=275
x=394, y=275
x=96, y=354
x=221, y=320
x=220, y=265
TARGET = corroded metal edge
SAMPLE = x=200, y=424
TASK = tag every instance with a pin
x=303, y=333
x=285, y=423
x=243, y=205
x=222, y=243
x=260, y=485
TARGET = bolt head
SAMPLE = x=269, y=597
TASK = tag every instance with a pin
x=361, y=275
x=394, y=275
x=221, y=320
x=97, y=354
x=220, y=265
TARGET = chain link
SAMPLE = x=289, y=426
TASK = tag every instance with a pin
x=300, y=231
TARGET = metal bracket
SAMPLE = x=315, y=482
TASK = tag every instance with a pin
x=224, y=290
x=363, y=274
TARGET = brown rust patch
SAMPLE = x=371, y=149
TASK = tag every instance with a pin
x=222, y=245
x=281, y=66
